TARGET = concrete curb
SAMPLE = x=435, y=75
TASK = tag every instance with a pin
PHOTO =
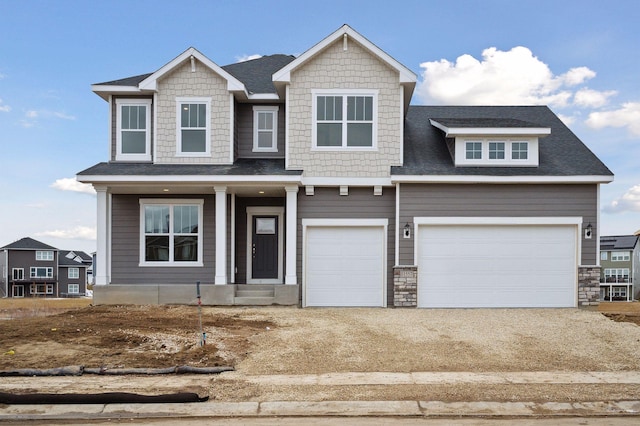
x=427, y=409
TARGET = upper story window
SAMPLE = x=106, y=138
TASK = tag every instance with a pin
x=171, y=232
x=37, y=272
x=44, y=255
x=494, y=152
x=265, y=129
x=519, y=151
x=18, y=274
x=345, y=119
x=604, y=255
x=193, y=126
x=133, y=129
x=620, y=256
x=473, y=150
x=73, y=273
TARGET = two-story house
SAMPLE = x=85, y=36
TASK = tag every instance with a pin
x=619, y=259
x=31, y=268
x=313, y=181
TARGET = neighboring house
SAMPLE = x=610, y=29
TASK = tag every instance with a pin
x=73, y=269
x=312, y=181
x=619, y=259
x=31, y=268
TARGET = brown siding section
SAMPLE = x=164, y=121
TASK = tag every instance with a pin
x=125, y=246
x=499, y=200
x=244, y=123
x=327, y=203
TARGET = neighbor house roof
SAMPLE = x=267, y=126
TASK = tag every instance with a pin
x=73, y=258
x=618, y=242
x=561, y=153
x=28, y=244
x=256, y=73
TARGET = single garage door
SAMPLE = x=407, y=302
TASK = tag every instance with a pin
x=344, y=266
x=497, y=266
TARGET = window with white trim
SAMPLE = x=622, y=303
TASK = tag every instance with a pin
x=345, y=119
x=519, y=150
x=41, y=272
x=616, y=275
x=265, y=128
x=44, y=255
x=193, y=126
x=171, y=232
x=604, y=255
x=495, y=151
x=41, y=289
x=133, y=129
x=620, y=256
x=73, y=288
x=17, y=274
x=473, y=150
x=73, y=273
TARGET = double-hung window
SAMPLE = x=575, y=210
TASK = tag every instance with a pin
x=44, y=255
x=133, y=129
x=345, y=120
x=193, y=126
x=171, y=232
x=73, y=273
x=265, y=129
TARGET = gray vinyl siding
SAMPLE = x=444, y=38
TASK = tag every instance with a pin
x=4, y=279
x=125, y=246
x=241, y=230
x=244, y=123
x=419, y=200
x=114, y=124
x=327, y=203
x=64, y=281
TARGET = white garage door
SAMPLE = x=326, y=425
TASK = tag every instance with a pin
x=497, y=266
x=344, y=266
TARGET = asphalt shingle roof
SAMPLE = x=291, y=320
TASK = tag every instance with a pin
x=256, y=73
x=80, y=258
x=28, y=244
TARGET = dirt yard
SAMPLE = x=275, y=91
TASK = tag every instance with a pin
x=284, y=340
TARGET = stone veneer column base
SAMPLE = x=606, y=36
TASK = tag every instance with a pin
x=588, y=286
x=405, y=286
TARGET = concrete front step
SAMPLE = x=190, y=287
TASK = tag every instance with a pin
x=247, y=300
x=254, y=293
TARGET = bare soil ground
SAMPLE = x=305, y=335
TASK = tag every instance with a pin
x=280, y=340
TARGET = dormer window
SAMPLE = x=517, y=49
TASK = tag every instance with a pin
x=493, y=142
x=265, y=129
x=133, y=129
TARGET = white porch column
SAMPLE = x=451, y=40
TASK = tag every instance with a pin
x=101, y=269
x=221, y=234
x=291, y=227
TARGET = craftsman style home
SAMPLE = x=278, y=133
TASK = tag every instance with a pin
x=31, y=268
x=620, y=263
x=312, y=181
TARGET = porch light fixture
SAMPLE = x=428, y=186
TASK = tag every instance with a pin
x=588, y=232
x=407, y=230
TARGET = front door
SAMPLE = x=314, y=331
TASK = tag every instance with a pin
x=265, y=245
x=264, y=249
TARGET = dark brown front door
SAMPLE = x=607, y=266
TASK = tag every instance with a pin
x=264, y=250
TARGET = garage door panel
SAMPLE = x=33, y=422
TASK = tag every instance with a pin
x=345, y=266
x=496, y=266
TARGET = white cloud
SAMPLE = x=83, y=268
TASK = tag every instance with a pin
x=568, y=120
x=77, y=232
x=4, y=107
x=589, y=98
x=628, y=116
x=32, y=116
x=514, y=77
x=245, y=58
x=630, y=201
x=70, y=184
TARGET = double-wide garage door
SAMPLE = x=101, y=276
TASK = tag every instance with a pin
x=344, y=265
x=497, y=266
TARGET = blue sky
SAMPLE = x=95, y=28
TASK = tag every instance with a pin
x=579, y=57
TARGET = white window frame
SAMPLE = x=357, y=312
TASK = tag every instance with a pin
x=34, y=269
x=73, y=288
x=207, y=138
x=604, y=255
x=120, y=156
x=484, y=160
x=41, y=288
x=171, y=203
x=20, y=273
x=273, y=111
x=615, y=273
x=344, y=93
x=620, y=256
x=73, y=273
x=46, y=255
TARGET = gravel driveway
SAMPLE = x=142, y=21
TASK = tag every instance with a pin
x=308, y=341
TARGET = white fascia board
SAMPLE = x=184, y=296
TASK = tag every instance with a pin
x=150, y=83
x=263, y=97
x=345, y=181
x=345, y=222
x=506, y=220
x=494, y=131
x=284, y=74
x=195, y=179
x=499, y=179
x=105, y=90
